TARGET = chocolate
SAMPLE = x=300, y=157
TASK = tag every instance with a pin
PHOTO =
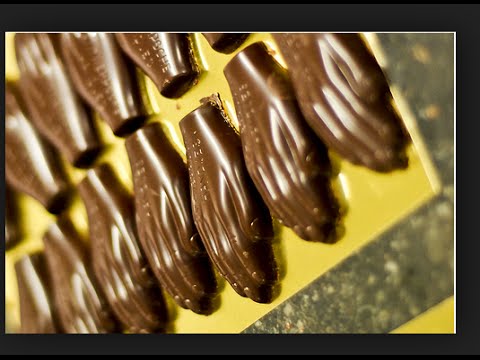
x=164, y=220
x=230, y=216
x=13, y=233
x=225, y=42
x=54, y=107
x=167, y=58
x=35, y=294
x=105, y=79
x=118, y=261
x=287, y=162
x=345, y=97
x=32, y=165
x=80, y=304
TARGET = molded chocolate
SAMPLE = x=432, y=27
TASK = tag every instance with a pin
x=118, y=261
x=229, y=213
x=35, y=294
x=80, y=304
x=32, y=165
x=225, y=42
x=55, y=108
x=13, y=233
x=164, y=220
x=287, y=162
x=105, y=79
x=167, y=58
x=345, y=97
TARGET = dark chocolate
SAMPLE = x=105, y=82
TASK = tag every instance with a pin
x=167, y=58
x=105, y=79
x=35, y=295
x=287, y=162
x=118, y=261
x=80, y=304
x=54, y=107
x=230, y=216
x=164, y=220
x=225, y=43
x=32, y=165
x=13, y=233
x=345, y=97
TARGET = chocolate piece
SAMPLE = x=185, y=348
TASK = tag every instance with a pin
x=167, y=58
x=104, y=79
x=225, y=42
x=35, y=294
x=13, y=233
x=54, y=107
x=164, y=220
x=31, y=164
x=230, y=216
x=80, y=305
x=118, y=262
x=287, y=162
x=345, y=97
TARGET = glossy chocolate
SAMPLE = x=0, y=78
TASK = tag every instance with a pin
x=164, y=220
x=35, y=294
x=225, y=42
x=118, y=261
x=31, y=164
x=287, y=162
x=345, y=97
x=81, y=306
x=167, y=58
x=54, y=107
x=230, y=216
x=13, y=232
x=105, y=79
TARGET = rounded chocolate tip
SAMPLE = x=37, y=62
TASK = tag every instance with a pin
x=178, y=85
x=225, y=43
x=130, y=125
x=86, y=159
x=59, y=201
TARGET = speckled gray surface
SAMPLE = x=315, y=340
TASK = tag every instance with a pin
x=410, y=267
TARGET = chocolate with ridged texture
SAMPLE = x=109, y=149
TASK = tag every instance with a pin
x=32, y=165
x=118, y=261
x=13, y=233
x=105, y=79
x=225, y=43
x=35, y=294
x=80, y=304
x=167, y=58
x=54, y=107
x=164, y=220
x=345, y=97
x=231, y=218
x=287, y=162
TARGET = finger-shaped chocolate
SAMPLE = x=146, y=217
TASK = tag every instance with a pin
x=164, y=220
x=105, y=79
x=287, y=162
x=32, y=165
x=230, y=216
x=35, y=294
x=13, y=233
x=345, y=97
x=167, y=58
x=119, y=264
x=225, y=43
x=54, y=107
x=80, y=304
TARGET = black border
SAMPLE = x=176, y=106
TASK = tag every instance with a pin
x=460, y=18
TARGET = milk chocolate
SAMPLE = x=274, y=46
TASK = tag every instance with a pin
x=13, y=233
x=287, y=162
x=225, y=43
x=54, y=107
x=118, y=261
x=345, y=97
x=32, y=165
x=164, y=220
x=105, y=79
x=167, y=58
x=35, y=295
x=80, y=304
x=230, y=216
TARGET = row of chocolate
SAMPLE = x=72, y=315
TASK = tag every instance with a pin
x=180, y=218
